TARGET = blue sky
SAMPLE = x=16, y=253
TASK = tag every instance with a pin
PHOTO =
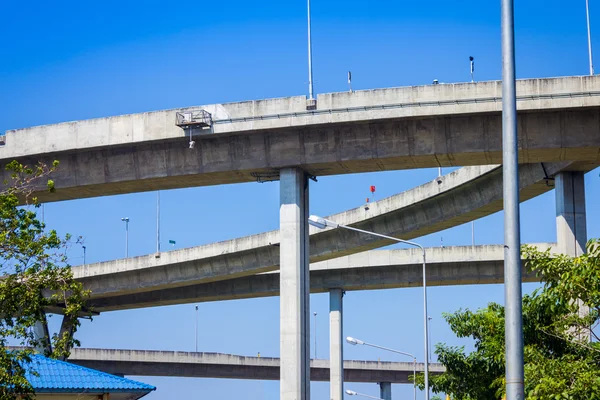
x=75, y=60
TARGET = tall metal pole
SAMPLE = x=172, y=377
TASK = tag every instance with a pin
x=354, y=341
x=83, y=254
x=426, y=325
x=512, y=240
x=414, y=379
x=126, y=220
x=196, y=330
x=322, y=223
x=589, y=33
x=429, y=336
x=315, y=314
x=310, y=74
x=158, y=221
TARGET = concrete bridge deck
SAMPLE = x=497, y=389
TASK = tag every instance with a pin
x=215, y=365
x=371, y=130
x=373, y=270
x=464, y=195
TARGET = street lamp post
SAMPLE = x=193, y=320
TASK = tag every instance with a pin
x=84, y=248
x=429, y=337
x=310, y=74
x=126, y=220
x=513, y=312
x=589, y=35
x=315, y=315
x=354, y=342
x=323, y=223
x=196, y=331
x=353, y=393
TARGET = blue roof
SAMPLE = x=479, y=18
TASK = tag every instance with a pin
x=62, y=377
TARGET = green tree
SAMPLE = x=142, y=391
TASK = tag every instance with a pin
x=560, y=361
x=35, y=278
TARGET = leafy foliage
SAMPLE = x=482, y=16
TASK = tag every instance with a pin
x=560, y=360
x=35, y=279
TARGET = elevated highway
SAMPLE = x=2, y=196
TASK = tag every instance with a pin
x=373, y=270
x=215, y=365
x=370, y=130
x=464, y=195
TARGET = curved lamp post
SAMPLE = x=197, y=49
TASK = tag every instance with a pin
x=354, y=341
x=353, y=393
x=323, y=223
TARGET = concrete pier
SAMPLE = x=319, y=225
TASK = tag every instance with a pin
x=67, y=328
x=42, y=335
x=571, y=232
x=385, y=390
x=571, y=229
x=336, y=344
x=294, y=286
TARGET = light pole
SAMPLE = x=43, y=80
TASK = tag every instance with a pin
x=323, y=223
x=513, y=322
x=158, y=221
x=126, y=220
x=310, y=74
x=429, y=336
x=196, y=330
x=315, y=315
x=354, y=342
x=84, y=248
x=353, y=393
x=587, y=12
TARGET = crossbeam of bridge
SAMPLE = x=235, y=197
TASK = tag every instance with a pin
x=216, y=365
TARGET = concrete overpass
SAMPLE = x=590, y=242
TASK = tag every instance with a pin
x=373, y=270
x=375, y=130
x=370, y=130
x=464, y=195
x=215, y=365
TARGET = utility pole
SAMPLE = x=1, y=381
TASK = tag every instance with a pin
x=512, y=239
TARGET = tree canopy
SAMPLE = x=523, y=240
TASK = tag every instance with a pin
x=561, y=362
x=35, y=278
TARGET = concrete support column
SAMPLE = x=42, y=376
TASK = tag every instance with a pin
x=571, y=232
x=385, y=390
x=336, y=344
x=571, y=229
x=66, y=328
x=294, y=286
x=42, y=336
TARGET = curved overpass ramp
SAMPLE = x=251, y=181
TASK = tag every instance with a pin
x=372, y=270
x=463, y=195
